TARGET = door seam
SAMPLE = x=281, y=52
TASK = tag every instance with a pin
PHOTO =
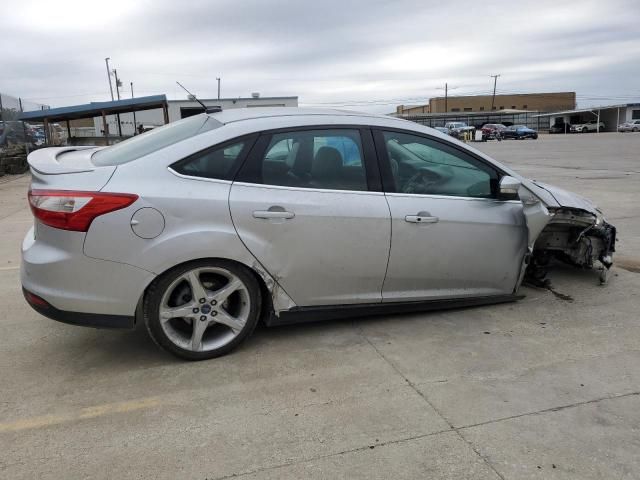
x=275, y=279
x=386, y=271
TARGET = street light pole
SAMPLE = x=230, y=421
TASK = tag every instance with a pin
x=218, y=79
x=106, y=60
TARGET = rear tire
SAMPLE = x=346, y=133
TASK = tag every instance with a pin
x=202, y=309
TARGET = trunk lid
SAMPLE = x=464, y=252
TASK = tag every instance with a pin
x=67, y=168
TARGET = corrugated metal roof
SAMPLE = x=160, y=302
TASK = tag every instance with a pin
x=591, y=109
x=95, y=109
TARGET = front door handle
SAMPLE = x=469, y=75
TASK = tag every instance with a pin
x=420, y=218
x=273, y=214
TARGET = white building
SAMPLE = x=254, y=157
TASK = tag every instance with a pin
x=185, y=108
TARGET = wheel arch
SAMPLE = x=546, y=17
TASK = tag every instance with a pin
x=274, y=298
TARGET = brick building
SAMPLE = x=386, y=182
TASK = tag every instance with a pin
x=540, y=102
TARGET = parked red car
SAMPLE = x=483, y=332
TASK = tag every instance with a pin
x=490, y=130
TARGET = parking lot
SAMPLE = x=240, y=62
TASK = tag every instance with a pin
x=545, y=388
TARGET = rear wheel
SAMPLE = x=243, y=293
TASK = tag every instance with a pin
x=635, y=129
x=585, y=130
x=202, y=309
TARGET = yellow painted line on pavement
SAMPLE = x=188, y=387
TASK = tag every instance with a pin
x=9, y=268
x=82, y=414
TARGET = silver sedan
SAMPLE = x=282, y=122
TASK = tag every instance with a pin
x=206, y=226
x=632, y=126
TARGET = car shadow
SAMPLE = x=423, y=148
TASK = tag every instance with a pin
x=134, y=349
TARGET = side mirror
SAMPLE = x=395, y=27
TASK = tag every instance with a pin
x=509, y=187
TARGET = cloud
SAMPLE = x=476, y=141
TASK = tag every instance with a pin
x=374, y=54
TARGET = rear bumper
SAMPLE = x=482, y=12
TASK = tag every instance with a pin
x=75, y=288
x=95, y=320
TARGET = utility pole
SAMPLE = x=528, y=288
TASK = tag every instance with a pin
x=446, y=95
x=495, y=81
x=118, y=83
x=106, y=60
x=218, y=79
x=134, y=113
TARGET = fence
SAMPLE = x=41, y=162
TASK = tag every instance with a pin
x=17, y=138
x=478, y=119
x=12, y=130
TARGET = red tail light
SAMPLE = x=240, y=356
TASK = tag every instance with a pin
x=71, y=210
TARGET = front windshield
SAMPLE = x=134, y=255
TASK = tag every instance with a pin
x=154, y=140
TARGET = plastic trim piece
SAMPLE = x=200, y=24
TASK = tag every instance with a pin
x=334, y=312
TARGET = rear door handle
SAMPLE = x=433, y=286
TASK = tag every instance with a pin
x=421, y=219
x=273, y=214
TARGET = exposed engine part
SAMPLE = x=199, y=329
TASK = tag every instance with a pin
x=575, y=237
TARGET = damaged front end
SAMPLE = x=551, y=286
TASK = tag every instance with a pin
x=574, y=236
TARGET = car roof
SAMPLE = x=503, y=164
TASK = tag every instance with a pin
x=254, y=113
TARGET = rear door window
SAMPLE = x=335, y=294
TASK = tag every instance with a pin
x=324, y=159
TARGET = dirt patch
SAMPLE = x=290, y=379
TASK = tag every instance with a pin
x=628, y=264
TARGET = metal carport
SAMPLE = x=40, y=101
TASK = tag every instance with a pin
x=611, y=115
x=97, y=109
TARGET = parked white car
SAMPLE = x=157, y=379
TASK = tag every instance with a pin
x=591, y=126
x=632, y=126
x=457, y=129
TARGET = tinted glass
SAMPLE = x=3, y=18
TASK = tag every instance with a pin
x=153, y=140
x=329, y=159
x=213, y=163
x=423, y=166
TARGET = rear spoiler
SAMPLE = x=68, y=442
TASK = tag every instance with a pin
x=46, y=161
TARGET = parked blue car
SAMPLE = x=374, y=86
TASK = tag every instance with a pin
x=519, y=132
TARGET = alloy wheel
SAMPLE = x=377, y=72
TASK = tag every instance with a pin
x=204, y=309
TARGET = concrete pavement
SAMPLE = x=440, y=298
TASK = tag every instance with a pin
x=545, y=388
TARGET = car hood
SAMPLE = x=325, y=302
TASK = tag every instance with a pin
x=568, y=199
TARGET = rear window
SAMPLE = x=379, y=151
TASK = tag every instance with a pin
x=154, y=140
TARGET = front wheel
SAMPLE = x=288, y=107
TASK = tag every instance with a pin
x=202, y=309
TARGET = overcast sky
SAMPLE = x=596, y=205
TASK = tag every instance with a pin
x=368, y=55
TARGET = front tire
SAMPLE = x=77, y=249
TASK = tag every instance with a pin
x=202, y=309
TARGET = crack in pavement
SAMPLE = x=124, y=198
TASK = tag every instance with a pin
x=549, y=410
x=452, y=429
x=451, y=426
x=329, y=455
x=458, y=430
